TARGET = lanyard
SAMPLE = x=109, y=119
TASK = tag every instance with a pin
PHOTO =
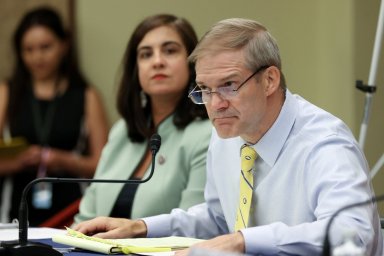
x=42, y=194
x=43, y=125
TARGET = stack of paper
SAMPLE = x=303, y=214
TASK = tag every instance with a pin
x=126, y=246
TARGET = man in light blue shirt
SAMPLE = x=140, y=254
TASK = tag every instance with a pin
x=309, y=163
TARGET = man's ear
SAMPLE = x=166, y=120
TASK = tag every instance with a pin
x=272, y=77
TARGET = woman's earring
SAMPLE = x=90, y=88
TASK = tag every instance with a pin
x=143, y=99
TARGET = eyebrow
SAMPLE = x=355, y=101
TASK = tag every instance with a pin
x=221, y=81
x=164, y=44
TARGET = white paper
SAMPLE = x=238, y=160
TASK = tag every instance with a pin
x=33, y=233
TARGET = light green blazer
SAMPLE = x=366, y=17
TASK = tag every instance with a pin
x=178, y=180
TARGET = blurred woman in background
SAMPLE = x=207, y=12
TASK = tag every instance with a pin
x=48, y=102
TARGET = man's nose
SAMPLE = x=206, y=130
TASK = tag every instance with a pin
x=217, y=101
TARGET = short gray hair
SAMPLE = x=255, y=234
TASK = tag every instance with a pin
x=260, y=48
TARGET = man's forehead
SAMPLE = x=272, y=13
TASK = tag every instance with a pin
x=218, y=59
x=219, y=65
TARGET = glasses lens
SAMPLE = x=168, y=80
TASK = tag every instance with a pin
x=227, y=92
x=196, y=97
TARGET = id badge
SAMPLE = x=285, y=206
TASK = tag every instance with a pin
x=42, y=195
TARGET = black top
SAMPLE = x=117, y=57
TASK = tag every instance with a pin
x=124, y=202
x=64, y=134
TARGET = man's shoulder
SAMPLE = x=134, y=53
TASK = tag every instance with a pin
x=315, y=126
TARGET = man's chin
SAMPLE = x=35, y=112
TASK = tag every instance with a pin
x=226, y=127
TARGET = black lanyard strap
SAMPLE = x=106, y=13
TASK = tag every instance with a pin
x=43, y=125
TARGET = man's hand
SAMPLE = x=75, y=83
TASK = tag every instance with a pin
x=229, y=243
x=107, y=227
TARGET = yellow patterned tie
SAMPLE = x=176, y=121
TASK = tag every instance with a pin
x=248, y=156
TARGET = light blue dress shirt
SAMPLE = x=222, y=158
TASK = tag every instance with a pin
x=309, y=166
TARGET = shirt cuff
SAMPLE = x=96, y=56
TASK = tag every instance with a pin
x=158, y=226
x=259, y=240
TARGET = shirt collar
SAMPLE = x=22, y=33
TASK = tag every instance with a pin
x=270, y=145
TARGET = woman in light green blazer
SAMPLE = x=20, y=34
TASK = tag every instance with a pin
x=152, y=98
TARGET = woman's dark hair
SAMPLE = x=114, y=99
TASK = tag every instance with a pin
x=21, y=78
x=128, y=98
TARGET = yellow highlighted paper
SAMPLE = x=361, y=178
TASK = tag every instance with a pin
x=126, y=246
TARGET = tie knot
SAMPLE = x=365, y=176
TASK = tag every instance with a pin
x=248, y=157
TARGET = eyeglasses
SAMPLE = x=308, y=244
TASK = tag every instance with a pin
x=225, y=92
